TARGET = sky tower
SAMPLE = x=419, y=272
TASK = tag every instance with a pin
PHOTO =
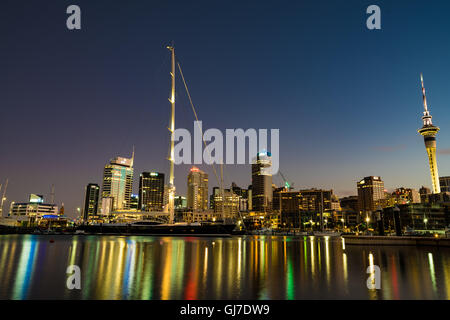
x=428, y=131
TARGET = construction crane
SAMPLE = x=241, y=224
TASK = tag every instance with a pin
x=288, y=185
x=3, y=198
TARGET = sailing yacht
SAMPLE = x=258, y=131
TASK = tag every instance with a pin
x=153, y=226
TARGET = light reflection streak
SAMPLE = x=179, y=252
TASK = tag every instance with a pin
x=195, y=268
x=25, y=269
x=432, y=271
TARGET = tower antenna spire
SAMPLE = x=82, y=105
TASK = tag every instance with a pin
x=429, y=131
x=425, y=105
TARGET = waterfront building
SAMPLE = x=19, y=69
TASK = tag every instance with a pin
x=191, y=216
x=118, y=182
x=107, y=205
x=134, y=205
x=403, y=196
x=151, y=191
x=34, y=210
x=419, y=217
x=429, y=131
x=230, y=205
x=91, y=199
x=180, y=202
x=370, y=193
x=444, y=183
x=262, y=193
x=424, y=192
x=350, y=202
x=298, y=208
x=197, y=190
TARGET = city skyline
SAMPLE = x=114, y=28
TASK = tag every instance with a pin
x=382, y=96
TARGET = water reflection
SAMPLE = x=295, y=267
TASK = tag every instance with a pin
x=251, y=267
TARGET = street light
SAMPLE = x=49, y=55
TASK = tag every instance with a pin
x=343, y=226
x=425, y=221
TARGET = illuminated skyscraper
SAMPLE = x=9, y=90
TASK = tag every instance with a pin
x=197, y=190
x=91, y=200
x=370, y=192
x=151, y=191
x=118, y=182
x=262, y=193
x=428, y=131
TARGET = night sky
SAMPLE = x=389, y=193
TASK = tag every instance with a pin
x=347, y=100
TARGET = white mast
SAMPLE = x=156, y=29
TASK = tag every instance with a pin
x=3, y=198
x=171, y=206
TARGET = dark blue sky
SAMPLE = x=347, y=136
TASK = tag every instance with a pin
x=347, y=100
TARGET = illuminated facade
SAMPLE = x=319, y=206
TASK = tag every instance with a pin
x=118, y=182
x=35, y=209
x=91, y=200
x=370, y=193
x=444, y=183
x=180, y=202
x=262, y=193
x=231, y=204
x=151, y=191
x=429, y=131
x=197, y=190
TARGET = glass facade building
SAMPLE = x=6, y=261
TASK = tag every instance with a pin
x=118, y=183
x=151, y=191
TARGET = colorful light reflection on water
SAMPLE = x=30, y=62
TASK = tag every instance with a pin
x=249, y=267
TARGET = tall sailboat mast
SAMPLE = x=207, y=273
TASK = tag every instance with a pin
x=171, y=205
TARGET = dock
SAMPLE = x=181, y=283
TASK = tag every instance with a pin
x=396, y=241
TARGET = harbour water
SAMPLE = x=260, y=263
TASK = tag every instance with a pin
x=238, y=267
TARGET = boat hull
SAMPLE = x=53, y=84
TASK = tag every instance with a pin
x=182, y=230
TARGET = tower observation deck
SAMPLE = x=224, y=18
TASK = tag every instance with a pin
x=429, y=131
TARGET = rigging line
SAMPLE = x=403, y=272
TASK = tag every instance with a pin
x=196, y=118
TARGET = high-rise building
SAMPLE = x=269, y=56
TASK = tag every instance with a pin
x=91, y=200
x=262, y=193
x=444, y=183
x=229, y=207
x=197, y=190
x=151, y=191
x=118, y=182
x=429, y=131
x=370, y=193
x=180, y=202
x=134, y=202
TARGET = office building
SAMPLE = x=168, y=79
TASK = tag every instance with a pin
x=35, y=209
x=151, y=191
x=444, y=183
x=197, y=190
x=118, y=182
x=92, y=192
x=370, y=193
x=262, y=193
